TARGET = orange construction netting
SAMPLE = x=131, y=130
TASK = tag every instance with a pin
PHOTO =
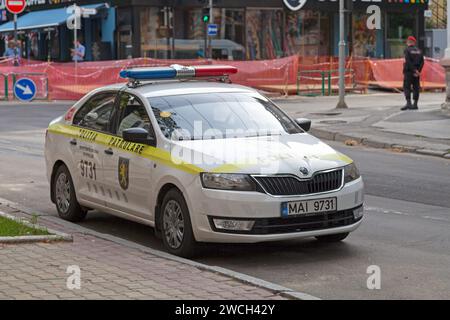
x=290, y=75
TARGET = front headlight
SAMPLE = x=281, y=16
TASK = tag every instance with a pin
x=228, y=181
x=351, y=173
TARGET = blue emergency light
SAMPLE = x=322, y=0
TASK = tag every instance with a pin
x=149, y=73
x=177, y=72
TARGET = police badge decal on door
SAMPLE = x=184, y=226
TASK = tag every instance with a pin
x=124, y=165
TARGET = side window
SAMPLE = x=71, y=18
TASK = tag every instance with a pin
x=132, y=114
x=96, y=113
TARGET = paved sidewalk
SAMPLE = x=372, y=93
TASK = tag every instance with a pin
x=109, y=270
x=375, y=120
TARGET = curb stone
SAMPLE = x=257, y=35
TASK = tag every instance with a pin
x=404, y=148
x=344, y=137
x=52, y=237
x=335, y=136
x=243, y=278
x=376, y=144
x=322, y=134
x=430, y=152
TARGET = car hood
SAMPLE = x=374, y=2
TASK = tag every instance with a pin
x=284, y=154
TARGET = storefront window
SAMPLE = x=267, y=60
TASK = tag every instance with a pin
x=364, y=39
x=34, y=45
x=400, y=27
x=195, y=25
x=153, y=30
x=230, y=27
x=264, y=33
x=233, y=26
x=307, y=33
x=124, y=30
x=53, y=42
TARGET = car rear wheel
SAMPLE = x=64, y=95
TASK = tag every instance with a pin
x=333, y=237
x=65, y=199
x=176, y=226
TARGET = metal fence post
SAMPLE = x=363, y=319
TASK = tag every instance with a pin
x=5, y=77
x=13, y=84
x=329, y=83
x=323, y=82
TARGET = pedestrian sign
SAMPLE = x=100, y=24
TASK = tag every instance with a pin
x=212, y=30
x=25, y=89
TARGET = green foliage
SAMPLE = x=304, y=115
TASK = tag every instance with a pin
x=11, y=228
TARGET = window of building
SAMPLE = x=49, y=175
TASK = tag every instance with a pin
x=233, y=25
x=153, y=33
x=124, y=31
x=364, y=39
x=307, y=33
x=400, y=27
x=264, y=32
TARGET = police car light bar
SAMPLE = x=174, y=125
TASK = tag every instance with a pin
x=177, y=72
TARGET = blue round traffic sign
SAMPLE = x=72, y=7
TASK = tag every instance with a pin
x=25, y=89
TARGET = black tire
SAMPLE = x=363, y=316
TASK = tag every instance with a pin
x=70, y=210
x=333, y=237
x=186, y=246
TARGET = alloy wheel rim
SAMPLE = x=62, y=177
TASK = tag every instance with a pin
x=173, y=224
x=62, y=192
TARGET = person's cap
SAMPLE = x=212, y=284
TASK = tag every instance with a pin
x=412, y=39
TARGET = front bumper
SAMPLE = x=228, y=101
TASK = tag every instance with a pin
x=205, y=204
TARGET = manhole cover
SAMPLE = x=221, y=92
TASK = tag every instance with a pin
x=333, y=122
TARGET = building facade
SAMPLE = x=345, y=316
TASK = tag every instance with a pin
x=247, y=29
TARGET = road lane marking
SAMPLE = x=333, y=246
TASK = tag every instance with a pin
x=400, y=213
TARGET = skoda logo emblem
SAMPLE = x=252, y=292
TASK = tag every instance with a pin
x=304, y=171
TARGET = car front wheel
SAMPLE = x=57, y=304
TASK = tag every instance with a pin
x=176, y=225
x=65, y=199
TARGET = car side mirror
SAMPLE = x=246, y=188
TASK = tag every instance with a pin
x=305, y=124
x=138, y=135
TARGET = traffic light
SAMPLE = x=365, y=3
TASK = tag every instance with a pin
x=205, y=15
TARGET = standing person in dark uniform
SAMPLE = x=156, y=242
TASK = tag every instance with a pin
x=412, y=68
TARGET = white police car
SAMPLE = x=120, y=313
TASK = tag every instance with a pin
x=201, y=160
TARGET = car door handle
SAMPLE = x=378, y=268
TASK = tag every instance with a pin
x=109, y=152
x=73, y=142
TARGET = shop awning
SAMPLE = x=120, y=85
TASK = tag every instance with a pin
x=43, y=19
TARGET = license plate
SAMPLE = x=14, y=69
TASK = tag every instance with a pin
x=296, y=208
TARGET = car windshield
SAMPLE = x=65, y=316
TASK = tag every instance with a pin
x=219, y=115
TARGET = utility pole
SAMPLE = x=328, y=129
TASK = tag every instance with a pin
x=167, y=26
x=447, y=51
x=206, y=17
x=75, y=36
x=211, y=20
x=16, y=51
x=341, y=104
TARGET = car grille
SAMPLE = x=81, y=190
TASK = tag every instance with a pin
x=292, y=186
x=322, y=221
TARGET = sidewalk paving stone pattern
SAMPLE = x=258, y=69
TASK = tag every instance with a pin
x=109, y=271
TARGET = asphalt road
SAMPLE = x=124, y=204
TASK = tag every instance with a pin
x=406, y=231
